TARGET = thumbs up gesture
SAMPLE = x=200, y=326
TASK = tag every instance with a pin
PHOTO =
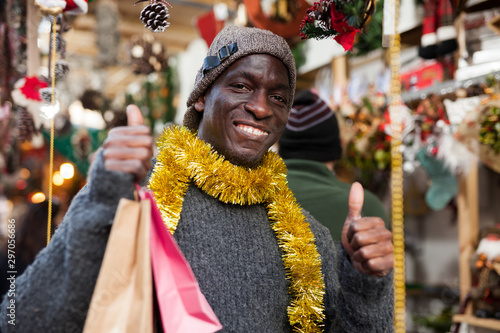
x=365, y=239
x=129, y=148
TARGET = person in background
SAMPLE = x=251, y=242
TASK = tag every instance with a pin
x=310, y=145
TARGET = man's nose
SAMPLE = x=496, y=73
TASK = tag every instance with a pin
x=259, y=106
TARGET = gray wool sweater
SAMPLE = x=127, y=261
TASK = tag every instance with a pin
x=231, y=249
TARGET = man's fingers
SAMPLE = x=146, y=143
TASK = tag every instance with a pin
x=124, y=153
x=145, y=141
x=366, y=231
x=356, y=198
x=134, y=167
x=130, y=130
x=380, y=266
x=373, y=251
x=134, y=116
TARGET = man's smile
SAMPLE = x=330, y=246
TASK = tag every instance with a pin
x=251, y=130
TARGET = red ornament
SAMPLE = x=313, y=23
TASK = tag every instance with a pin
x=346, y=33
x=31, y=88
x=76, y=7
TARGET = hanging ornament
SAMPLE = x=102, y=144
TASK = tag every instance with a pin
x=155, y=15
x=62, y=69
x=49, y=111
x=27, y=89
x=147, y=55
x=55, y=7
x=25, y=125
x=46, y=94
x=343, y=20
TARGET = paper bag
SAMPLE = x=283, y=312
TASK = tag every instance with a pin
x=183, y=307
x=122, y=301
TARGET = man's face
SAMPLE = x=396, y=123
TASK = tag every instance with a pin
x=245, y=109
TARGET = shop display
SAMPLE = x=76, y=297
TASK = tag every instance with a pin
x=485, y=292
x=489, y=134
x=439, y=36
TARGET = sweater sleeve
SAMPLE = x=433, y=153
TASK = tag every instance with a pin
x=54, y=293
x=354, y=302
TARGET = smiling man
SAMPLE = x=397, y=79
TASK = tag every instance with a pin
x=263, y=264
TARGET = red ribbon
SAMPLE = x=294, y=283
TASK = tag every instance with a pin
x=346, y=33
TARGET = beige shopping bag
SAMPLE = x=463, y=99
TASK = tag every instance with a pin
x=122, y=301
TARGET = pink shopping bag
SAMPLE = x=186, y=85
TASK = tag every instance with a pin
x=183, y=307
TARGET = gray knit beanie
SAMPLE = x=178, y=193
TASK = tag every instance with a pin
x=236, y=42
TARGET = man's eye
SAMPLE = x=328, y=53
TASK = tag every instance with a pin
x=239, y=86
x=280, y=99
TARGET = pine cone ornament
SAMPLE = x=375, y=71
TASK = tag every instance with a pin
x=155, y=15
x=25, y=125
x=62, y=69
x=147, y=55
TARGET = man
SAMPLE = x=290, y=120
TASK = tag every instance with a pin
x=262, y=265
x=310, y=146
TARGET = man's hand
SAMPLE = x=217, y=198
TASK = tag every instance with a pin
x=366, y=240
x=129, y=148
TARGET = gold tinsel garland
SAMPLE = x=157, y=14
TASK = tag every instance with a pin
x=183, y=158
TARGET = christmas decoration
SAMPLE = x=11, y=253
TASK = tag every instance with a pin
x=489, y=134
x=46, y=94
x=49, y=111
x=28, y=89
x=371, y=38
x=264, y=185
x=485, y=293
x=444, y=186
x=76, y=7
x=209, y=26
x=147, y=55
x=439, y=36
x=155, y=15
x=283, y=20
x=25, y=125
x=341, y=20
x=54, y=7
x=62, y=69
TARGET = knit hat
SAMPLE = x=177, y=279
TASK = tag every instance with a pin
x=231, y=44
x=312, y=131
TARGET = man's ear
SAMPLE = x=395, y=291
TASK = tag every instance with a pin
x=199, y=105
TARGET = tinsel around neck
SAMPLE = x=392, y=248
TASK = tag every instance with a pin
x=183, y=158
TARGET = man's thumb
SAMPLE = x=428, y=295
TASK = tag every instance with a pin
x=356, y=198
x=134, y=115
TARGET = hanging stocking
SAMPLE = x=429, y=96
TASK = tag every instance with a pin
x=428, y=43
x=444, y=186
x=446, y=32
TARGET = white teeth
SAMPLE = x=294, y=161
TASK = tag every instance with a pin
x=252, y=130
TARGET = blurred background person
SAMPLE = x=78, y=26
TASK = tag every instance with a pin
x=310, y=145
